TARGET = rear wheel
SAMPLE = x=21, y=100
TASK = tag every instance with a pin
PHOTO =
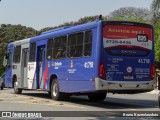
x=97, y=96
x=16, y=89
x=56, y=94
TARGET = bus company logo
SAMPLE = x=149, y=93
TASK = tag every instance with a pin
x=71, y=64
x=88, y=64
x=57, y=64
x=129, y=69
x=71, y=70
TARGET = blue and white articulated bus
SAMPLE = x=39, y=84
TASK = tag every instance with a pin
x=91, y=59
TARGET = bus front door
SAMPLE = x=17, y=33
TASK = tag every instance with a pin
x=24, y=63
x=40, y=66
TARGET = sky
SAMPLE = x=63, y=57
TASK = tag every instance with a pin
x=39, y=14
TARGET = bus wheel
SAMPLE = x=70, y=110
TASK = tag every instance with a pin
x=55, y=94
x=16, y=89
x=97, y=96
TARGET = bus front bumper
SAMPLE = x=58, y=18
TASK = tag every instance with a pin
x=123, y=85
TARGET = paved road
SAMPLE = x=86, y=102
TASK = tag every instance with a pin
x=114, y=104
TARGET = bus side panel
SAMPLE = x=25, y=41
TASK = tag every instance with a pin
x=77, y=75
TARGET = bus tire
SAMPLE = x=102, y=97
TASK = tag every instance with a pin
x=97, y=97
x=55, y=94
x=16, y=89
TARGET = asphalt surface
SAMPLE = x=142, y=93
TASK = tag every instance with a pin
x=113, y=107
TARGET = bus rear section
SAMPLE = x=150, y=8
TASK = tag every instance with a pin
x=127, y=58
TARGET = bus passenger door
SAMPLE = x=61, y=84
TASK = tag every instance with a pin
x=24, y=67
x=40, y=66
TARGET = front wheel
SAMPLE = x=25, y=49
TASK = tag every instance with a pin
x=55, y=94
x=16, y=89
x=97, y=96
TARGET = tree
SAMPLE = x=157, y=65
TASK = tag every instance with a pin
x=155, y=7
x=131, y=14
x=46, y=29
x=157, y=41
x=10, y=33
x=73, y=23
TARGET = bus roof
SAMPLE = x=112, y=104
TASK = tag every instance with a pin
x=65, y=30
x=116, y=22
x=71, y=29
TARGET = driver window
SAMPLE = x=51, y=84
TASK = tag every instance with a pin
x=9, y=59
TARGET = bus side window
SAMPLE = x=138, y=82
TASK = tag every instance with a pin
x=49, y=49
x=59, y=47
x=9, y=61
x=32, y=52
x=17, y=54
x=88, y=43
x=75, y=45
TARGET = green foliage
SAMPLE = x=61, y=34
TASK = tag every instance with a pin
x=130, y=18
x=80, y=21
x=9, y=33
x=46, y=29
x=131, y=13
x=157, y=41
x=155, y=9
x=155, y=6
